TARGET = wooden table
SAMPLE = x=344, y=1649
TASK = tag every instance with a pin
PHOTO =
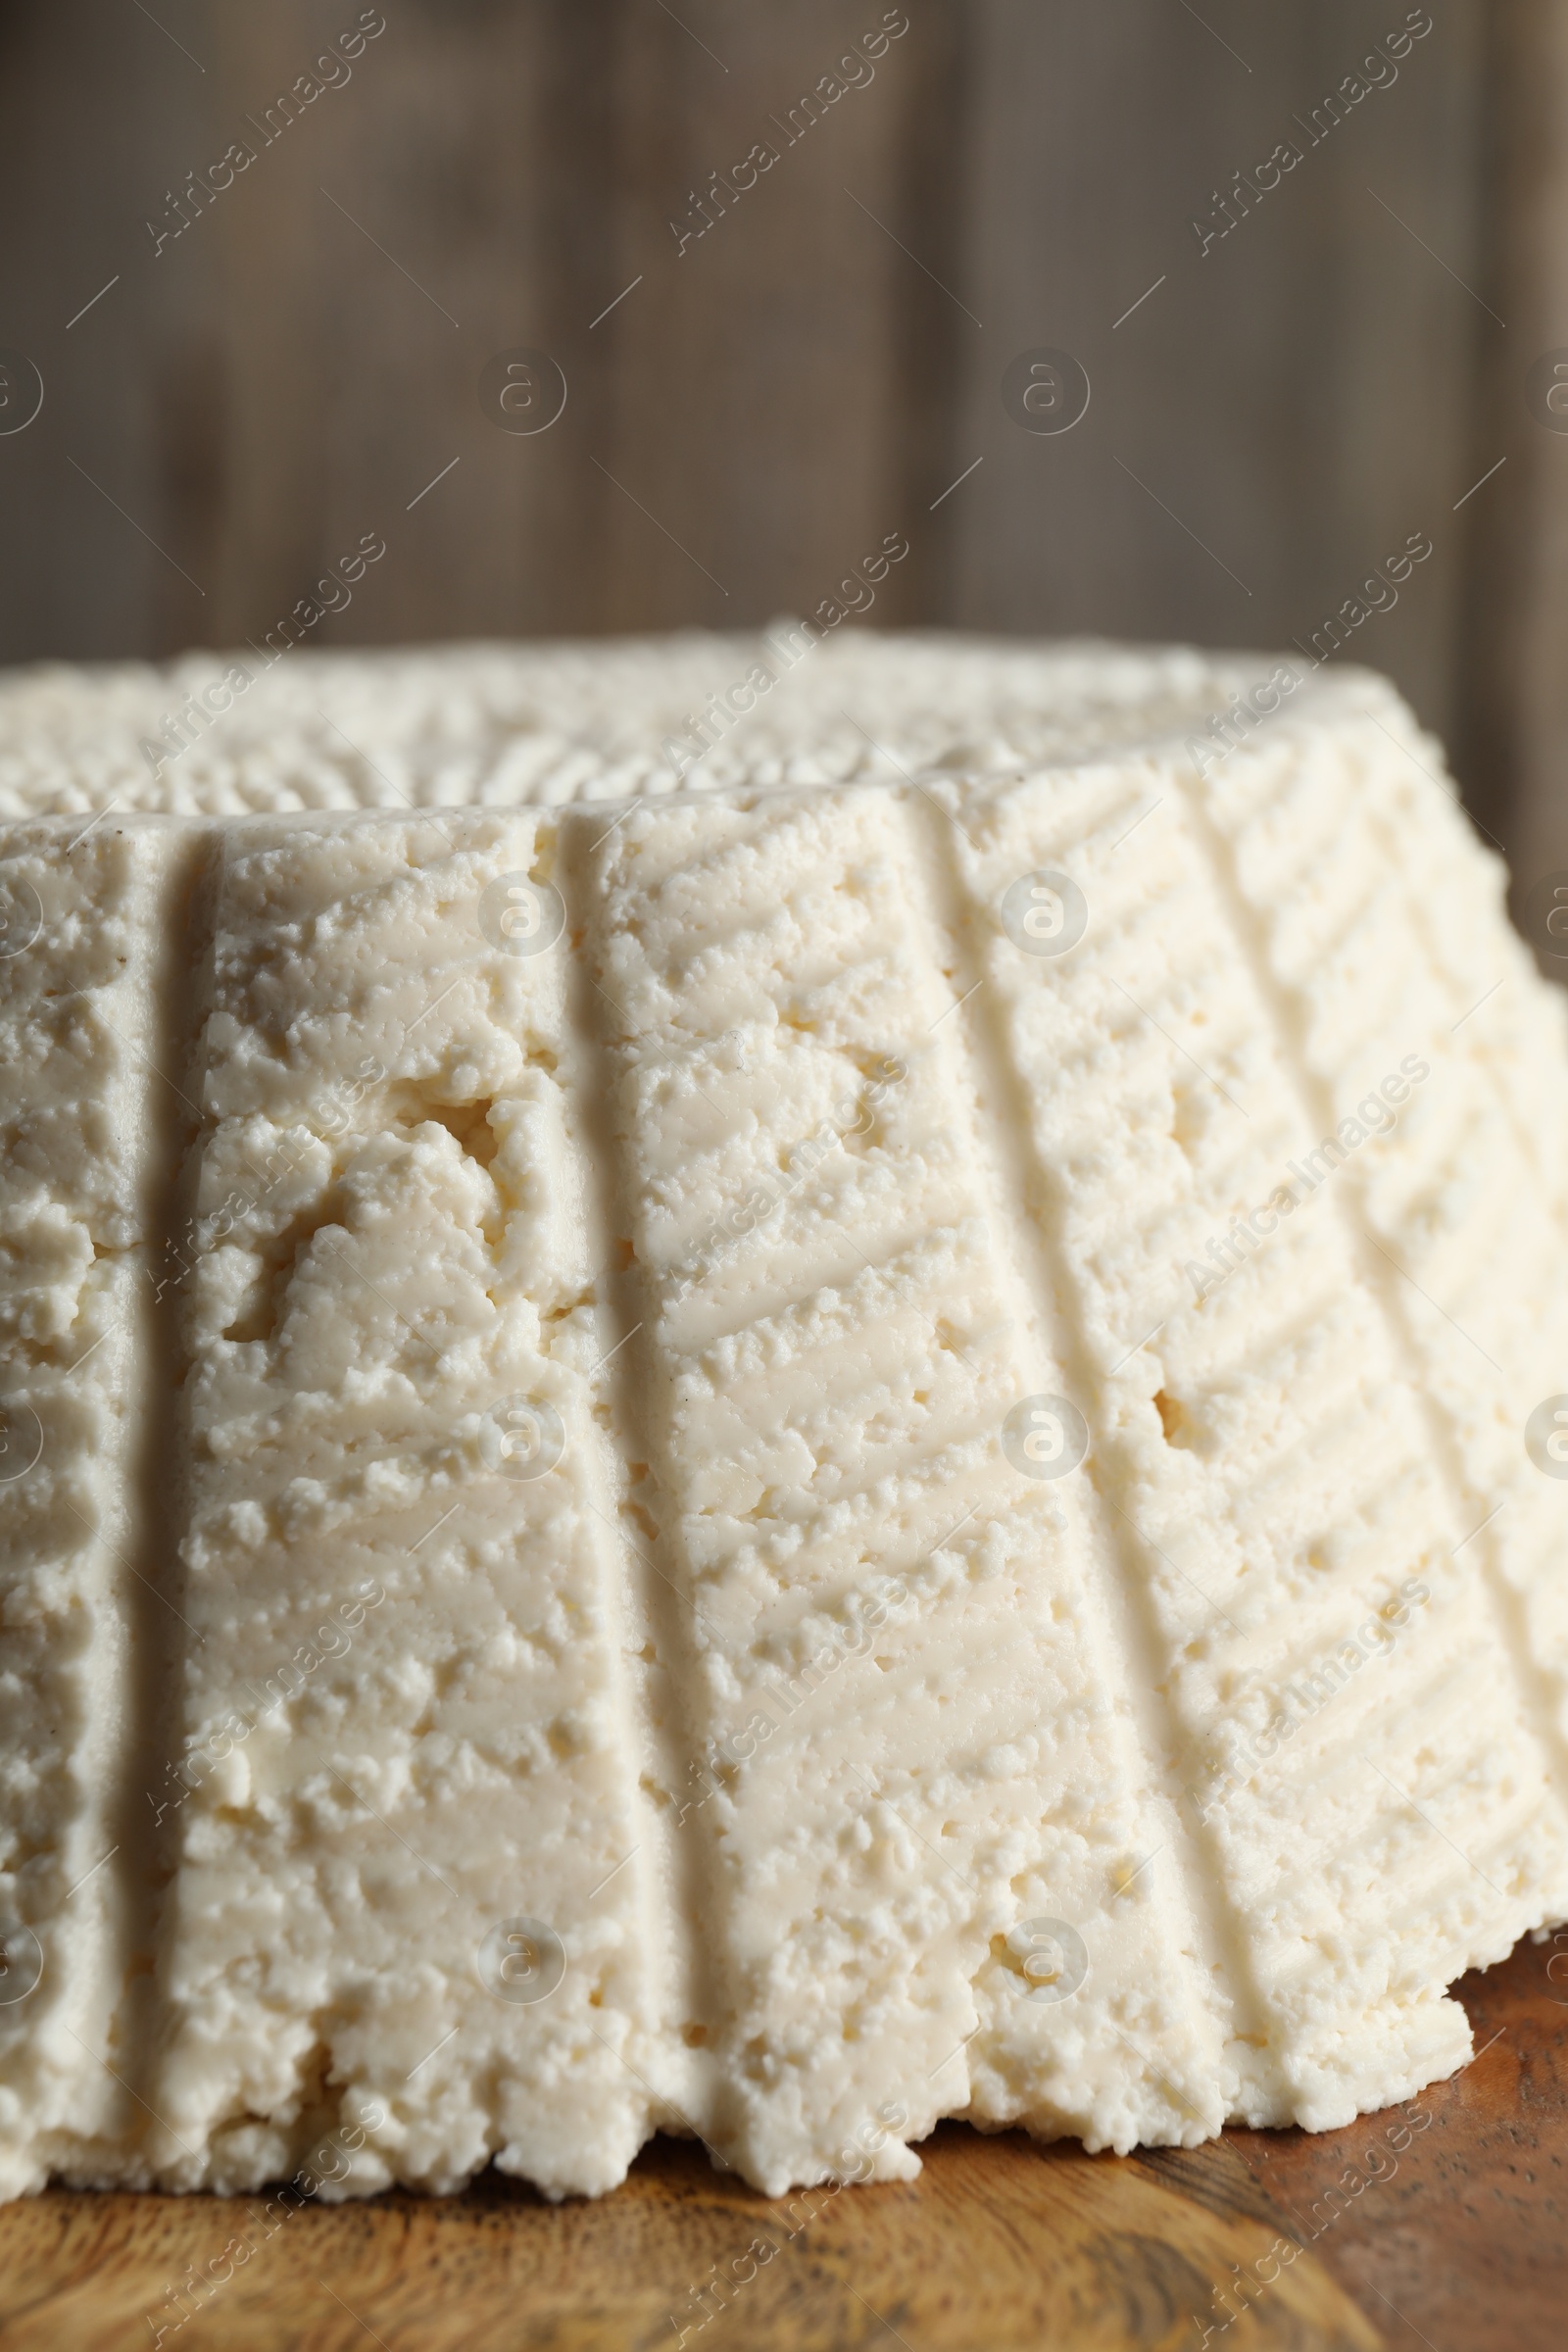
x=1447, y=2232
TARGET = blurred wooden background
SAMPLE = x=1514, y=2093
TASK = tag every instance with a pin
x=1274, y=419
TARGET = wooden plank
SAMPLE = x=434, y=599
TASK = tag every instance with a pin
x=1294, y=399
x=793, y=382
x=99, y=113
x=303, y=360
x=1462, y=2237
x=999, y=2243
x=1442, y=2221
x=1515, y=743
x=759, y=413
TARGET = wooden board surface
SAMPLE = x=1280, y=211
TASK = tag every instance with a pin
x=763, y=403
x=1441, y=2225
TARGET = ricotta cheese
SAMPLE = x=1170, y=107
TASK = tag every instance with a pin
x=852, y=1437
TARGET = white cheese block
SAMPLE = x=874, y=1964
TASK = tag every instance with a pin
x=89, y=1129
x=777, y=1460
x=409, y=1693
x=262, y=731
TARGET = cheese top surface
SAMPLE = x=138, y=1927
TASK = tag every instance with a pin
x=271, y=728
x=775, y=1460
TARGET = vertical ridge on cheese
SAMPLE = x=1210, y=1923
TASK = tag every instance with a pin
x=83, y=915
x=1469, y=1203
x=836, y=1333
x=866, y=1427
x=1280, y=1467
x=405, y=1729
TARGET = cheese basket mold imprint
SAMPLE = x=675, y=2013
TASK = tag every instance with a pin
x=761, y=1388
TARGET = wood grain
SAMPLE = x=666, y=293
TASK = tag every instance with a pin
x=1515, y=741
x=1465, y=2244
x=762, y=406
x=1454, y=2238
x=998, y=2244
x=816, y=370
x=1294, y=399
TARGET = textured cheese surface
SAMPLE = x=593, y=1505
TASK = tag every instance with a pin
x=80, y=1126
x=264, y=730
x=669, y=1493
